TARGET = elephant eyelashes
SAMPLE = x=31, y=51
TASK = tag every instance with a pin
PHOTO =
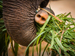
x=42, y=18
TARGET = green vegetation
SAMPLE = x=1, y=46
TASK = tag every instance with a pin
x=5, y=38
x=60, y=36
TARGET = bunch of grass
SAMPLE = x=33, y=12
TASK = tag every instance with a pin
x=60, y=36
x=5, y=39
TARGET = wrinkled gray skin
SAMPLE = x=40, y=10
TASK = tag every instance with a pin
x=19, y=17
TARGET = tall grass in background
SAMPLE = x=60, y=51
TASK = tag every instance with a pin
x=5, y=39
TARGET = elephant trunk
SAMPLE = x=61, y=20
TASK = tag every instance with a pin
x=19, y=17
x=19, y=21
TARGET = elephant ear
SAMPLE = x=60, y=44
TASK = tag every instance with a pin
x=19, y=17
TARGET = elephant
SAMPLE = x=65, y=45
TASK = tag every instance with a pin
x=19, y=19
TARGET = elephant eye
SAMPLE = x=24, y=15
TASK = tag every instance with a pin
x=38, y=16
x=43, y=18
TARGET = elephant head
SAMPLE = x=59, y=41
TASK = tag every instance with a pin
x=19, y=18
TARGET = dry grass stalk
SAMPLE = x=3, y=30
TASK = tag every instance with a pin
x=52, y=15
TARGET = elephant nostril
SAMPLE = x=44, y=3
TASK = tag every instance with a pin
x=43, y=19
x=38, y=16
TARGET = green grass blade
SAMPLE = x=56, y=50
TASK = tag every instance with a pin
x=45, y=49
x=52, y=41
x=40, y=49
x=33, y=40
x=43, y=37
x=71, y=34
x=16, y=48
x=37, y=49
x=33, y=51
x=58, y=26
x=4, y=29
x=67, y=14
x=59, y=44
x=2, y=26
x=12, y=47
x=1, y=21
x=27, y=53
x=57, y=48
x=33, y=48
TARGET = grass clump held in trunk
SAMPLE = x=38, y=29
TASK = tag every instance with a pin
x=60, y=36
